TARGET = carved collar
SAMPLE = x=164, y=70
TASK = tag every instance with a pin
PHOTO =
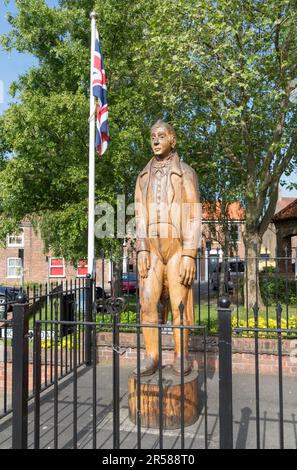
x=175, y=166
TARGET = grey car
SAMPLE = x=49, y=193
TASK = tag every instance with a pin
x=235, y=272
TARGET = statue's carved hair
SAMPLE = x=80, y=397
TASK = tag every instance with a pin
x=167, y=126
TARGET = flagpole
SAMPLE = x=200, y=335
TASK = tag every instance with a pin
x=91, y=211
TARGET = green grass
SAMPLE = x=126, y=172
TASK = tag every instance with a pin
x=48, y=313
x=210, y=311
x=204, y=315
x=43, y=313
x=208, y=316
x=241, y=313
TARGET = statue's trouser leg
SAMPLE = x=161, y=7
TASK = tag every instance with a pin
x=178, y=293
x=150, y=292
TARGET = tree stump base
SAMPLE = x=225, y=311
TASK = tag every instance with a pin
x=149, y=399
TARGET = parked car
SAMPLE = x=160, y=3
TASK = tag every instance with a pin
x=8, y=297
x=235, y=271
x=129, y=283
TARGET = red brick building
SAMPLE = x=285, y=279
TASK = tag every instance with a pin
x=213, y=239
x=27, y=250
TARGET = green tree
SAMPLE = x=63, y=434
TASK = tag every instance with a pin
x=221, y=72
x=226, y=70
x=46, y=131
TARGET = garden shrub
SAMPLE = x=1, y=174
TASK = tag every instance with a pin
x=275, y=289
x=262, y=323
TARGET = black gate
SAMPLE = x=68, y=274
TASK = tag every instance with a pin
x=72, y=357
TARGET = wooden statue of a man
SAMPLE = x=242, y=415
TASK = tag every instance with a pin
x=168, y=227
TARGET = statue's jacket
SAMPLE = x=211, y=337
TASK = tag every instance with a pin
x=183, y=206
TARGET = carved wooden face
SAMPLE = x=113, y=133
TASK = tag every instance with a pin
x=162, y=141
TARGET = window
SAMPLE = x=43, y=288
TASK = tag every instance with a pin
x=235, y=233
x=15, y=240
x=14, y=267
x=82, y=268
x=208, y=244
x=56, y=267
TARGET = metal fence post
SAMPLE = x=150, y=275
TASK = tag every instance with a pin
x=88, y=318
x=116, y=379
x=114, y=307
x=20, y=358
x=225, y=374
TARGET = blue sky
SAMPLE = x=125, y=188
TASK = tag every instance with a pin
x=14, y=64
x=11, y=64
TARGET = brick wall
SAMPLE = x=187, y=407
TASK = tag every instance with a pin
x=243, y=358
x=65, y=364
x=36, y=262
x=47, y=374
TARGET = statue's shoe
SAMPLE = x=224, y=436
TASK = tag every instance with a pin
x=147, y=367
x=176, y=368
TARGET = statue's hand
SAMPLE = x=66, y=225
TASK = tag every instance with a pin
x=144, y=263
x=187, y=270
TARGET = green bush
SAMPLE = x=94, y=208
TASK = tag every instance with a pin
x=131, y=318
x=125, y=318
x=275, y=289
x=212, y=330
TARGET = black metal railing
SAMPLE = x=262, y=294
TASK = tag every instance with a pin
x=88, y=407
x=116, y=421
x=21, y=436
x=53, y=352
x=279, y=333
x=218, y=274
x=277, y=356
x=5, y=367
x=64, y=301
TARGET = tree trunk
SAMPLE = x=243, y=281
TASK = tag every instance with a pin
x=223, y=284
x=252, y=294
x=117, y=271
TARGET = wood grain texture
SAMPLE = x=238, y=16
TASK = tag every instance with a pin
x=172, y=392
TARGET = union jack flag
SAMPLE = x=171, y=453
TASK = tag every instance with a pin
x=100, y=92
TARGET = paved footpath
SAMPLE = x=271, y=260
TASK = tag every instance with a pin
x=244, y=406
